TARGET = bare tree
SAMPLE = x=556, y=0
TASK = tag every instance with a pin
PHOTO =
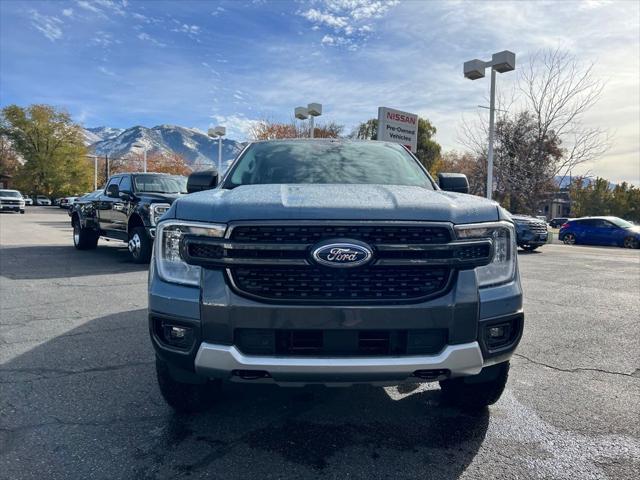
x=559, y=90
x=540, y=131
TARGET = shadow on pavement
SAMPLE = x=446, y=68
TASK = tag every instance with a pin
x=86, y=404
x=61, y=261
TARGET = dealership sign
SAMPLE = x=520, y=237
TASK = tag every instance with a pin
x=398, y=127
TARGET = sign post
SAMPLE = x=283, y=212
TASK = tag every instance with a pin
x=398, y=127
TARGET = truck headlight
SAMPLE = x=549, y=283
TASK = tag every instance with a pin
x=171, y=267
x=156, y=210
x=503, y=264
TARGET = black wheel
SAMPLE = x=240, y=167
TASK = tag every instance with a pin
x=569, y=239
x=530, y=248
x=22, y=212
x=84, y=238
x=185, y=397
x=140, y=245
x=631, y=242
x=477, y=391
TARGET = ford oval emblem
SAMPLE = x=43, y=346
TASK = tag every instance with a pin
x=342, y=255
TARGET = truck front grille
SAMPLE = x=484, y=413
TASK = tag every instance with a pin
x=372, y=234
x=410, y=261
x=317, y=283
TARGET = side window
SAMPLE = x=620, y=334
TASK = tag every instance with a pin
x=112, y=181
x=125, y=184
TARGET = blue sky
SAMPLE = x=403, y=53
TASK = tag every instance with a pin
x=198, y=63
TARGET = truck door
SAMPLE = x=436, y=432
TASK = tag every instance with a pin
x=104, y=206
x=121, y=206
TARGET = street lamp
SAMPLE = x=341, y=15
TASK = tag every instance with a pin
x=218, y=132
x=311, y=111
x=144, y=147
x=95, y=170
x=500, y=62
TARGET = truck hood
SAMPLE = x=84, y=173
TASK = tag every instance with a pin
x=160, y=197
x=333, y=202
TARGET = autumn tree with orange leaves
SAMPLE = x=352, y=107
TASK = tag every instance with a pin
x=159, y=162
x=268, y=130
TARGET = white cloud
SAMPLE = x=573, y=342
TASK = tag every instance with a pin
x=67, y=12
x=49, y=26
x=88, y=6
x=238, y=126
x=145, y=37
x=103, y=7
x=348, y=20
x=106, y=71
x=104, y=39
x=326, y=18
x=189, y=29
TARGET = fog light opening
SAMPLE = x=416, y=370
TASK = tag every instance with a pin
x=177, y=333
x=499, y=335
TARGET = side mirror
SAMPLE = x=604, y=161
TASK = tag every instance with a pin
x=453, y=182
x=203, y=180
x=113, y=191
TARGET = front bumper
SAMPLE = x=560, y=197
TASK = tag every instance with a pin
x=214, y=312
x=12, y=208
x=455, y=360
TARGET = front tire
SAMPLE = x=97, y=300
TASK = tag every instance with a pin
x=84, y=238
x=185, y=397
x=478, y=391
x=139, y=245
x=569, y=239
x=631, y=242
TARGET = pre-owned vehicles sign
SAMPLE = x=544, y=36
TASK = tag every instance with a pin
x=399, y=127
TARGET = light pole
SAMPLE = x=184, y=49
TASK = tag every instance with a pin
x=313, y=110
x=218, y=132
x=95, y=170
x=500, y=62
x=144, y=147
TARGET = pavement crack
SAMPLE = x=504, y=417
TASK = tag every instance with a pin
x=634, y=374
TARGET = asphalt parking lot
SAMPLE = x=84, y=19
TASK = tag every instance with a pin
x=78, y=395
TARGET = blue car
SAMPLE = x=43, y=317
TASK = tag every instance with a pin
x=601, y=231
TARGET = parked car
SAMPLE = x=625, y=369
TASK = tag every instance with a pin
x=558, y=222
x=333, y=262
x=42, y=200
x=11, y=201
x=66, y=202
x=531, y=232
x=28, y=201
x=127, y=210
x=600, y=231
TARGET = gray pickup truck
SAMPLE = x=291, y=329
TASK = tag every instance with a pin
x=333, y=262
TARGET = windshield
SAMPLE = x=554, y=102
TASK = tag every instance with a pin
x=620, y=222
x=160, y=183
x=327, y=162
x=10, y=193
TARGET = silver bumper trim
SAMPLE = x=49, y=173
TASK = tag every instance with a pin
x=219, y=361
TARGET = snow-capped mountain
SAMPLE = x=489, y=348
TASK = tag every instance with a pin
x=97, y=134
x=198, y=149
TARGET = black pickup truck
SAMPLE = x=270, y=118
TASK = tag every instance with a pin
x=127, y=210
